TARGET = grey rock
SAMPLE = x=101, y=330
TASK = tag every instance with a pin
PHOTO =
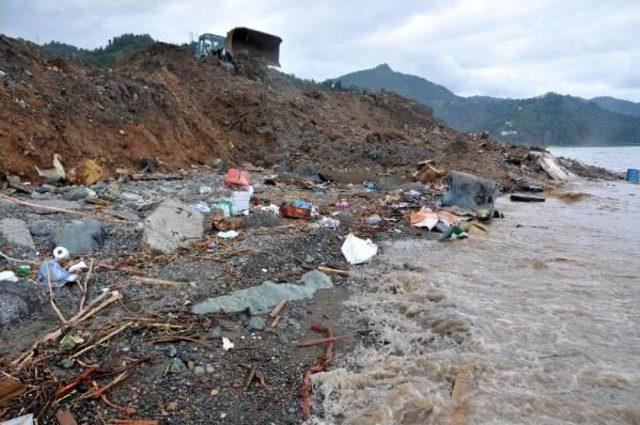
x=204, y=190
x=256, y=323
x=261, y=219
x=42, y=227
x=56, y=203
x=124, y=213
x=132, y=197
x=17, y=300
x=209, y=368
x=215, y=333
x=16, y=232
x=308, y=170
x=80, y=237
x=261, y=298
x=296, y=325
x=198, y=370
x=171, y=226
x=315, y=279
x=178, y=366
x=77, y=193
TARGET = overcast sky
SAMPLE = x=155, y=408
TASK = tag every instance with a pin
x=506, y=48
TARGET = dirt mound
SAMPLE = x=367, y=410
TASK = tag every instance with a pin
x=161, y=103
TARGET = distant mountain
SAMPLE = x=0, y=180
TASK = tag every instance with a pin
x=551, y=119
x=618, y=105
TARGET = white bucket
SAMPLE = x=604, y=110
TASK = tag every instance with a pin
x=240, y=201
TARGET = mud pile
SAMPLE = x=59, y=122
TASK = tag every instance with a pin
x=161, y=103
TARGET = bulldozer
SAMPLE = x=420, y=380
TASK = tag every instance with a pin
x=241, y=43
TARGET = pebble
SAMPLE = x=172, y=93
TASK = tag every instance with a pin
x=178, y=366
x=256, y=323
x=198, y=370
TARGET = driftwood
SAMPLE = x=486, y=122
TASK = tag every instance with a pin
x=277, y=309
x=305, y=389
x=331, y=270
x=319, y=341
x=94, y=307
x=108, y=217
x=103, y=339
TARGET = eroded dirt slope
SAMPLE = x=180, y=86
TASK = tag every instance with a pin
x=161, y=103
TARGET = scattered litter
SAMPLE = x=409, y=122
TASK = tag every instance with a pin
x=469, y=191
x=60, y=253
x=357, y=250
x=23, y=270
x=330, y=223
x=240, y=200
x=78, y=267
x=301, y=203
x=22, y=420
x=224, y=204
x=370, y=186
x=51, y=270
x=374, y=219
x=632, y=175
x=8, y=276
x=204, y=190
x=440, y=220
x=523, y=198
x=230, y=234
x=455, y=232
x=429, y=173
x=290, y=211
x=426, y=217
x=343, y=204
x=272, y=208
x=69, y=342
x=237, y=177
x=227, y=344
x=201, y=207
x=553, y=169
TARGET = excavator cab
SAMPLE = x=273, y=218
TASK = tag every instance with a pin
x=209, y=44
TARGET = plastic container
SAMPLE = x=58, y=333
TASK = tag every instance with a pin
x=237, y=177
x=633, y=175
x=240, y=200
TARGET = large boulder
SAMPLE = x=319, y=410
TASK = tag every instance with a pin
x=17, y=300
x=80, y=237
x=171, y=226
x=470, y=192
x=262, y=298
x=16, y=232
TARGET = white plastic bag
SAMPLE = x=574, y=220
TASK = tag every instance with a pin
x=358, y=251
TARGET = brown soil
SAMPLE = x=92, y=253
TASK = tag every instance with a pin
x=161, y=103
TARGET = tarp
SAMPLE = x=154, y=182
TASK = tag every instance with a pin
x=469, y=191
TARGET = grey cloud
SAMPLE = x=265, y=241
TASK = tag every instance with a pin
x=497, y=47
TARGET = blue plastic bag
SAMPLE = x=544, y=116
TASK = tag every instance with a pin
x=56, y=273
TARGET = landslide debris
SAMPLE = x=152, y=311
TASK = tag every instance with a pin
x=162, y=104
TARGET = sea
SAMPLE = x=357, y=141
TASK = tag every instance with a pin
x=612, y=158
x=543, y=311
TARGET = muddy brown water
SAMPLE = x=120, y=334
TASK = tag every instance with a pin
x=544, y=309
